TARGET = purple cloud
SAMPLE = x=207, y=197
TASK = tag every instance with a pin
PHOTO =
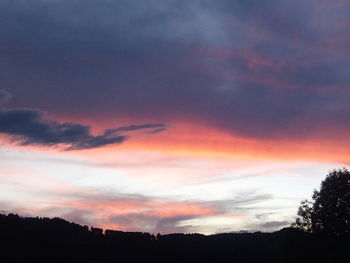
x=261, y=69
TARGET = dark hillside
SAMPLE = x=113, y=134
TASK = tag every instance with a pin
x=56, y=240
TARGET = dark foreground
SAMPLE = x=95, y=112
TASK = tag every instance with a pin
x=56, y=240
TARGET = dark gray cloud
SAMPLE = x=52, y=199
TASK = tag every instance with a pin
x=144, y=222
x=28, y=126
x=262, y=69
x=78, y=215
x=158, y=127
x=240, y=203
x=156, y=131
x=274, y=225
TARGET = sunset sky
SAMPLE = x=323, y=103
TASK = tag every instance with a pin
x=171, y=115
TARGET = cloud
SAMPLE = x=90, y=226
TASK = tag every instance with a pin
x=144, y=222
x=139, y=212
x=158, y=127
x=77, y=215
x=240, y=66
x=156, y=131
x=128, y=212
x=28, y=126
x=242, y=203
x=274, y=225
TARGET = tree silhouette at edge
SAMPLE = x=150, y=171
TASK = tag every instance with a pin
x=329, y=210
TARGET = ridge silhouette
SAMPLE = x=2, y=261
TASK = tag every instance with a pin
x=28, y=239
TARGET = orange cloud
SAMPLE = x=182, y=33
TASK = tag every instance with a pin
x=201, y=140
x=121, y=213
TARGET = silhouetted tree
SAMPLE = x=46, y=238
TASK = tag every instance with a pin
x=305, y=214
x=330, y=209
x=96, y=230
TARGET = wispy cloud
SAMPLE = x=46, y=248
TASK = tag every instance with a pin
x=151, y=127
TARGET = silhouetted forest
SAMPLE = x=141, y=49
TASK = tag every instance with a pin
x=56, y=240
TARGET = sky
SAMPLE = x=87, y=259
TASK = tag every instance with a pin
x=171, y=115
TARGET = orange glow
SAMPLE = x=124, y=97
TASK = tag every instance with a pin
x=203, y=141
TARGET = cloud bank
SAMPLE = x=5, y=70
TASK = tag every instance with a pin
x=240, y=66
